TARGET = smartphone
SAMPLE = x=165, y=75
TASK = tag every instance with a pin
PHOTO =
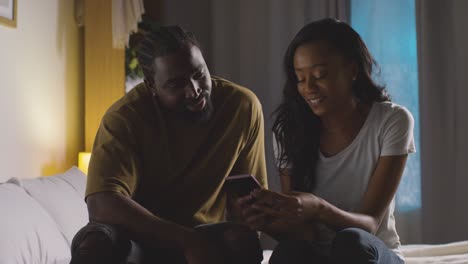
x=242, y=184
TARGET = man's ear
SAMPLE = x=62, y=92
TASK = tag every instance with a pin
x=151, y=86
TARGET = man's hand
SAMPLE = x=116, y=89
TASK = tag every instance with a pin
x=276, y=226
x=252, y=217
x=289, y=215
x=239, y=209
x=294, y=207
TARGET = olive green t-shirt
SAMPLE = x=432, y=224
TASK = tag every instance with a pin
x=173, y=168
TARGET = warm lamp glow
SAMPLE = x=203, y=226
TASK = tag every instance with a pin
x=83, y=161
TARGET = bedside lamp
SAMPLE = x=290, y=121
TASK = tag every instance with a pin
x=83, y=161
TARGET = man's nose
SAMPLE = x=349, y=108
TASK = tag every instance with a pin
x=192, y=90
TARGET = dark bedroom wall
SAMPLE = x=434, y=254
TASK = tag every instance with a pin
x=194, y=16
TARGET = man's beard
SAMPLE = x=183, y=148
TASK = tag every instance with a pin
x=202, y=116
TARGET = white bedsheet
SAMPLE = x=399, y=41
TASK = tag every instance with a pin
x=450, y=253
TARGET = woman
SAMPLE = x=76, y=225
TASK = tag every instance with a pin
x=341, y=150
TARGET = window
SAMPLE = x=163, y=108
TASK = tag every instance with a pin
x=389, y=30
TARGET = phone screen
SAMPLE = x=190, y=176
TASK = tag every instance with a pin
x=241, y=185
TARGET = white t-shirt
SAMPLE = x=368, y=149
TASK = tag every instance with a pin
x=342, y=179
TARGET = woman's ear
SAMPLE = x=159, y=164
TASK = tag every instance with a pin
x=354, y=71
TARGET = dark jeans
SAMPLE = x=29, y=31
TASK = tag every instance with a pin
x=105, y=244
x=351, y=245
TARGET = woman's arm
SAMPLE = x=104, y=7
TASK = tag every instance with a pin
x=305, y=208
x=380, y=191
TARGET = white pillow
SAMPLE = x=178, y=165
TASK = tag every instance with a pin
x=62, y=196
x=28, y=235
x=266, y=256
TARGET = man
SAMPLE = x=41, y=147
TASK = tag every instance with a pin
x=160, y=159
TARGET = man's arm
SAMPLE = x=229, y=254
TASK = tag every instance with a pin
x=116, y=209
x=111, y=181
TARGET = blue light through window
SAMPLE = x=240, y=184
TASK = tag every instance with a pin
x=389, y=30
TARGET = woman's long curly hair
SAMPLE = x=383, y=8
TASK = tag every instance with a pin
x=296, y=127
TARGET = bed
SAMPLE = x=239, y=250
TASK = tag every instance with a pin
x=450, y=253
x=42, y=215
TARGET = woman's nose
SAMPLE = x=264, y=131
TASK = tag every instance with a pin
x=192, y=91
x=311, y=85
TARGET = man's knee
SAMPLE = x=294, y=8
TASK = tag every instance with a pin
x=240, y=238
x=240, y=243
x=98, y=243
x=290, y=251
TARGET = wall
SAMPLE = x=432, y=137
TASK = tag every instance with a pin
x=41, y=84
x=104, y=66
x=195, y=16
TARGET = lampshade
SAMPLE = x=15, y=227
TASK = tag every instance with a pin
x=83, y=161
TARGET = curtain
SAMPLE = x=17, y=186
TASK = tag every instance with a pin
x=443, y=78
x=248, y=42
x=126, y=14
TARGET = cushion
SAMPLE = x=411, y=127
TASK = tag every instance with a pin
x=266, y=256
x=28, y=234
x=62, y=196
